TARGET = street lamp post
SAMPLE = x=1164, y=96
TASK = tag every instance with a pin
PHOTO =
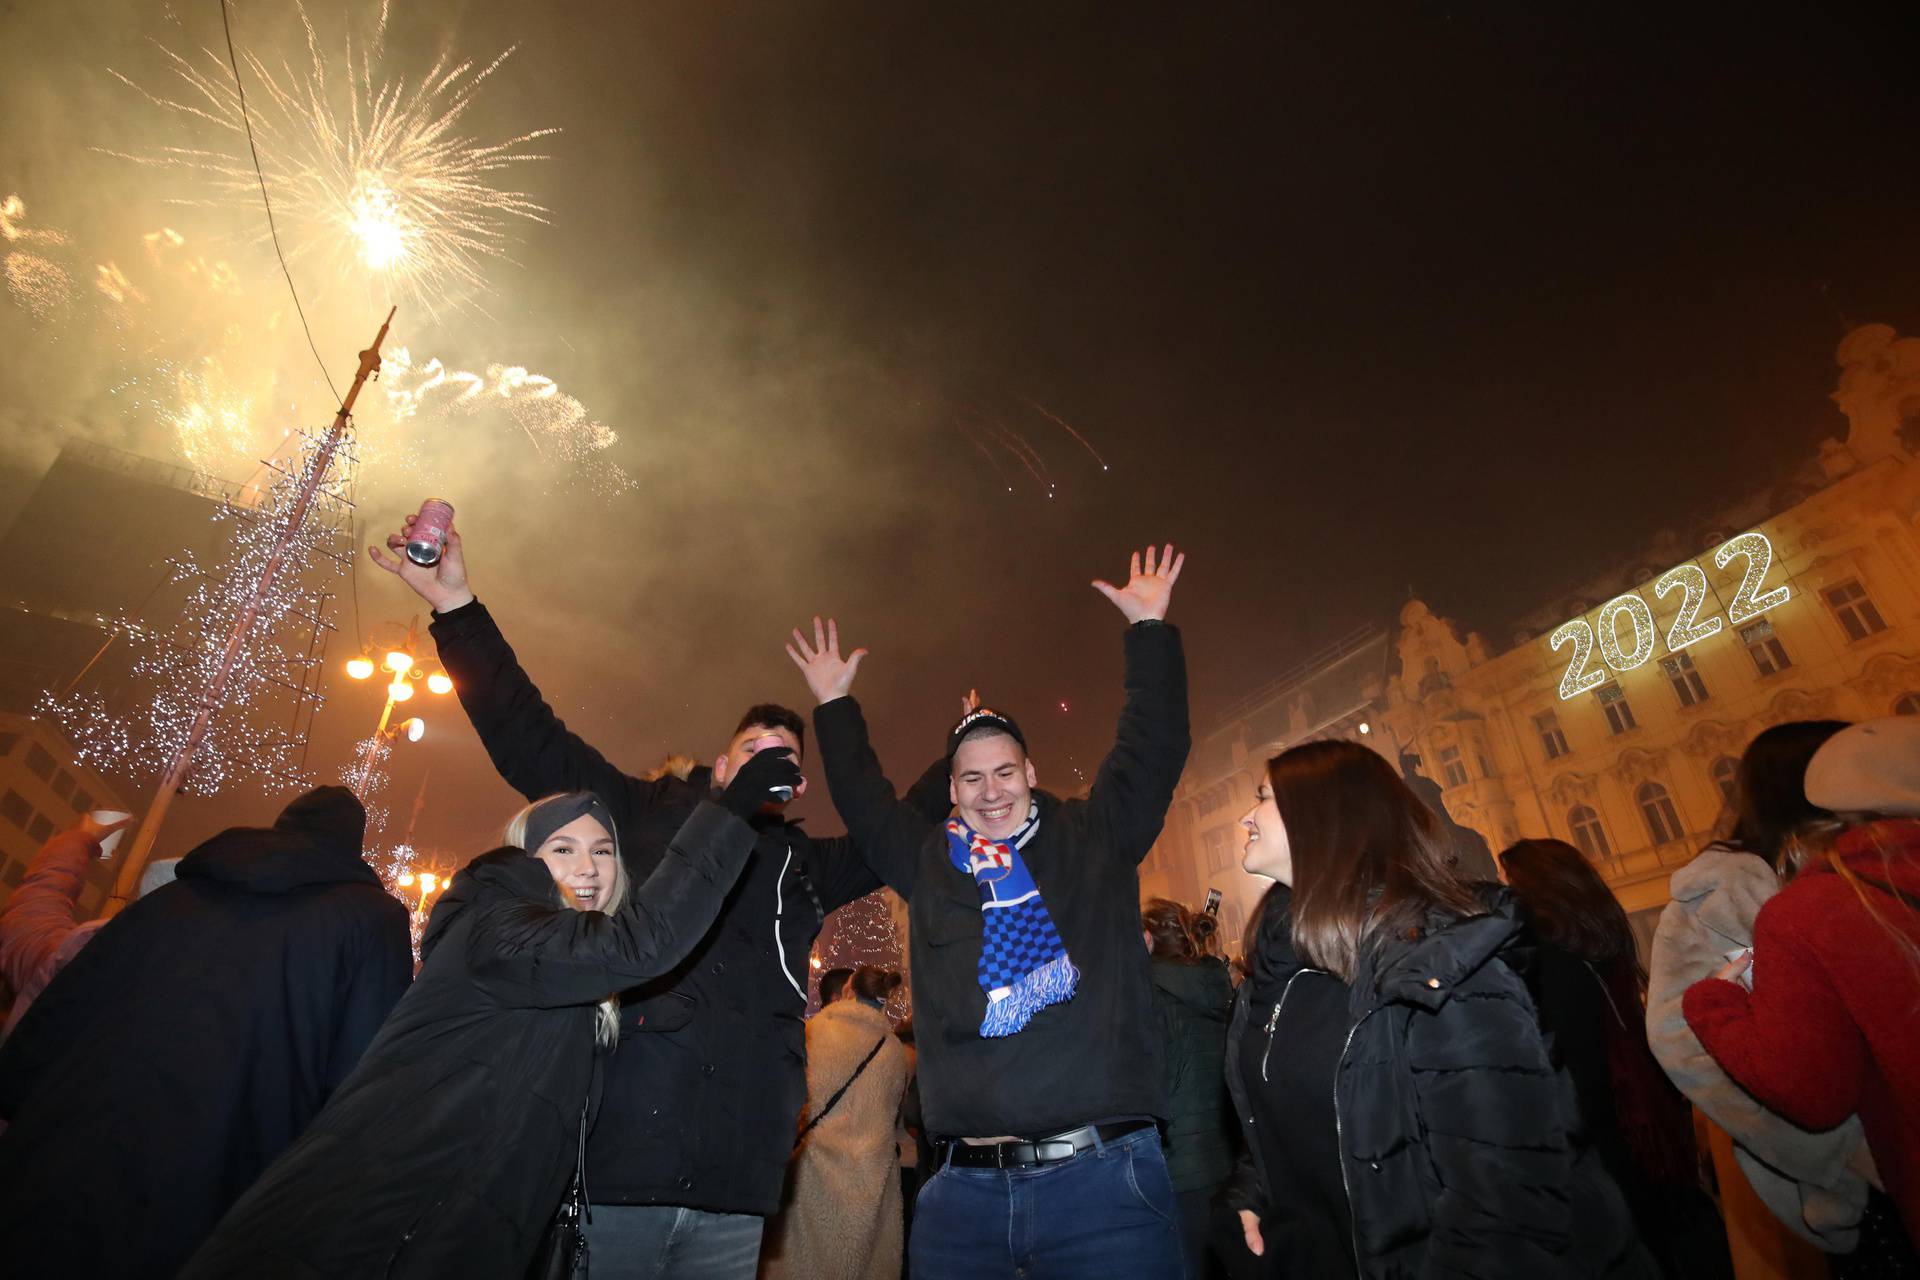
x=401, y=664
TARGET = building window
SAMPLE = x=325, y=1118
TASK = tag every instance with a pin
x=7, y=741
x=15, y=809
x=1854, y=609
x=63, y=785
x=1656, y=806
x=16, y=872
x=1213, y=799
x=1764, y=648
x=1554, y=742
x=82, y=802
x=1219, y=849
x=1234, y=921
x=1619, y=713
x=39, y=762
x=1584, y=823
x=1907, y=704
x=1685, y=679
x=1451, y=767
x=40, y=829
x=1725, y=774
x=1486, y=770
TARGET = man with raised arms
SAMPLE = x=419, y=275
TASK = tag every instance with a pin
x=1033, y=1010
x=701, y=1100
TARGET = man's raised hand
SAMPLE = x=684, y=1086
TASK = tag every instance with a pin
x=444, y=585
x=828, y=674
x=1149, y=588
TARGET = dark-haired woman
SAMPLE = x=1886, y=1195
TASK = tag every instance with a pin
x=449, y=1148
x=842, y=1219
x=1589, y=987
x=1804, y=1179
x=1191, y=1000
x=1453, y=1143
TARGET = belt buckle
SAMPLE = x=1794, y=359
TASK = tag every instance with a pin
x=1053, y=1151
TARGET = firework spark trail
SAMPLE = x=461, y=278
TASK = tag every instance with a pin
x=385, y=183
x=998, y=470
x=1068, y=428
x=1021, y=448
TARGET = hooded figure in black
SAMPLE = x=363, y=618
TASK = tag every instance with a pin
x=192, y=1041
x=449, y=1149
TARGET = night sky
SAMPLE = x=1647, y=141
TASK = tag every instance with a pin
x=1355, y=301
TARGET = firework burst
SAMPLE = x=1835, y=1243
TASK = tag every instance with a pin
x=555, y=423
x=373, y=176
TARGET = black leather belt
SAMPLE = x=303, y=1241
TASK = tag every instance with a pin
x=1027, y=1152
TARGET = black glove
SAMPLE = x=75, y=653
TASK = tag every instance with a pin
x=753, y=786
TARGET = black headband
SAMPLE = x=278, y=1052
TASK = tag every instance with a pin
x=555, y=812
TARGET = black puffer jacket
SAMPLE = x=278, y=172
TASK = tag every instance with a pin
x=1190, y=1004
x=447, y=1151
x=1457, y=1135
x=700, y=1108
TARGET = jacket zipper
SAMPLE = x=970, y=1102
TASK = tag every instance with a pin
x=1340, y=1140
x=1274, y=1021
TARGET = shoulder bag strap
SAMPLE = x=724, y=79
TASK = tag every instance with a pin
x=841, y=1091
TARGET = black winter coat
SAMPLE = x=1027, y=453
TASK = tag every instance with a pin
x=1191, y=1003
x=1458, y=1137
x=1289, y=1028
x=447, y=1151
x=701, y=1103
x=1092, y=1057
x=190, y=1042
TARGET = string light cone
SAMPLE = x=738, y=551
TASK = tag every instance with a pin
x=289, y=533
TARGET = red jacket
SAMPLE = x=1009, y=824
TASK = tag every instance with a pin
x=38, y=932
x=1832, y=1025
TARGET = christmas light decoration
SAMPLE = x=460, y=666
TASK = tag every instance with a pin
x=1609, y=627
x=1686, y=630
x=863, y=933
x=229, y=687
x=1688, y=627
x=1748, y=601
x=1577, y=679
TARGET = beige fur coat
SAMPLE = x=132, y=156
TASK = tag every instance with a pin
x=842, y=1219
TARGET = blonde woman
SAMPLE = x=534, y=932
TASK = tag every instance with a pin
x=448, y=1150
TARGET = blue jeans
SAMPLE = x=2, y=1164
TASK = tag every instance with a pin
x=664, y=1242
x=1107, y=1212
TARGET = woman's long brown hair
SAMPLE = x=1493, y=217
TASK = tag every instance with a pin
x=1367, y=854
x=1570, y=905
x=1170, y=926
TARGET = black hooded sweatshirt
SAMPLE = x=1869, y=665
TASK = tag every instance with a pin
x=447, y=1151
x=191, y=1041
x=701, y=1104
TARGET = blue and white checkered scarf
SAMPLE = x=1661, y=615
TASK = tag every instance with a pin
x=1024, y=966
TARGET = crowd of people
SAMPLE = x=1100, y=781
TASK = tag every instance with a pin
x=1420, y=1059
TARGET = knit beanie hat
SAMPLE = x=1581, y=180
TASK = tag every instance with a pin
x=1871, y=767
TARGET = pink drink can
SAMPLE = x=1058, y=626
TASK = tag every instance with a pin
x=429, y=536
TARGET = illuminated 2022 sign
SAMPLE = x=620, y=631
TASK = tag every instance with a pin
x=1687, y=628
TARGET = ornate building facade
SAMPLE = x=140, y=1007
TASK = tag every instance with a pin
x=1615, y=718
